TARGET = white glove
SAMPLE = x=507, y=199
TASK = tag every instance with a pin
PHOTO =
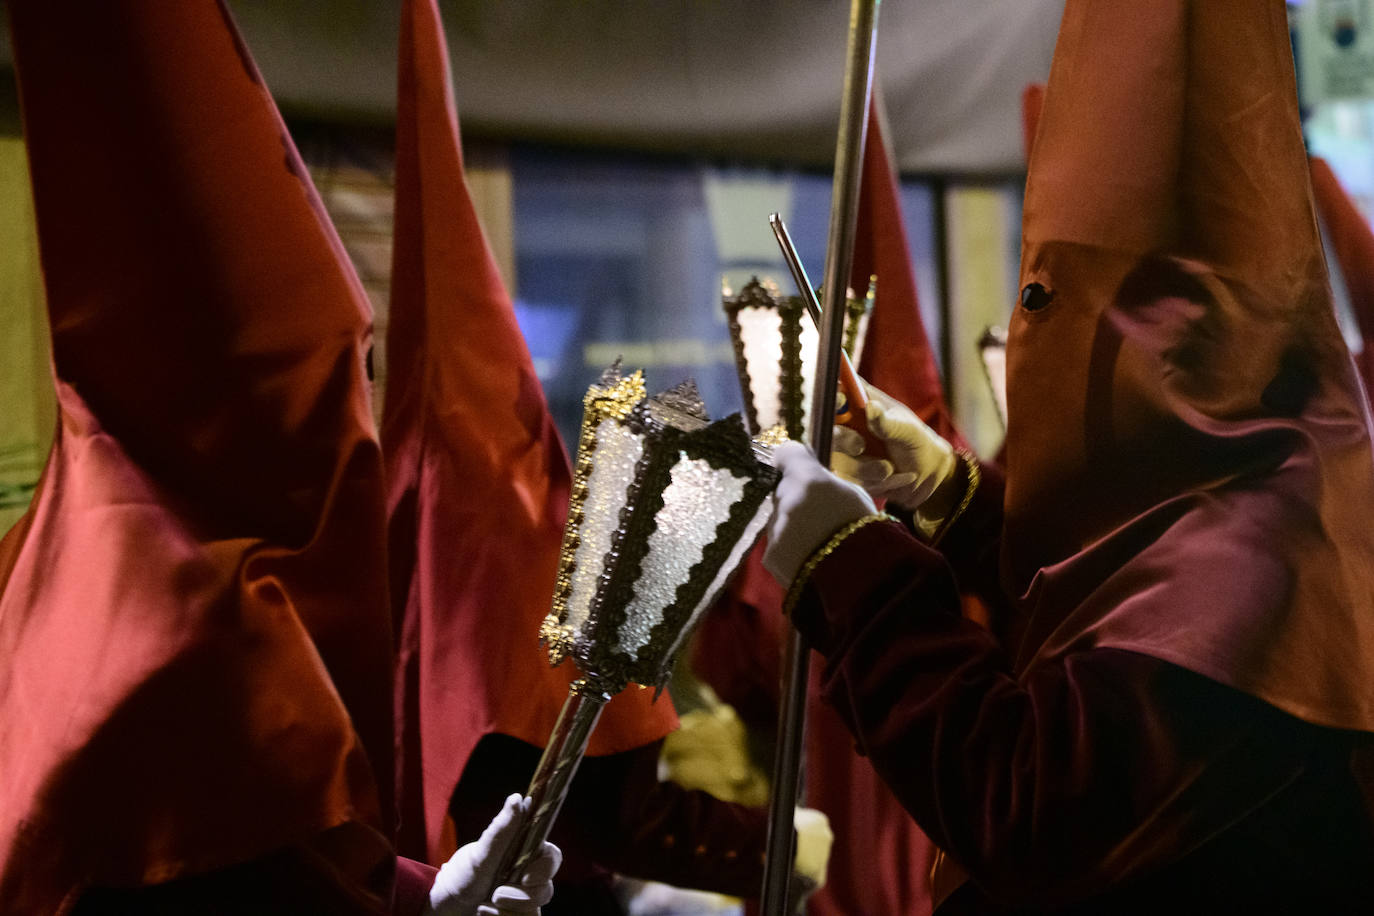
x=919, y=461
x=458, y=886
x=814, y=839
x=811, y=505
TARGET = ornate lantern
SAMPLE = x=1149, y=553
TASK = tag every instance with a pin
x=992, y=347
x=775, y=351
x=665, y=504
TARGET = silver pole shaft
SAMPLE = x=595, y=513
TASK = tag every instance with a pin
x=844, y=213
x=552, y=778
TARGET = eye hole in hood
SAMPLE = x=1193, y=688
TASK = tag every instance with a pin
x=1035, y=297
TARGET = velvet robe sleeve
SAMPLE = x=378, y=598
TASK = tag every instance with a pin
x=659, y=831
x=972, y=547
x=1093, y=772
x=324, y=876
x=410, y=894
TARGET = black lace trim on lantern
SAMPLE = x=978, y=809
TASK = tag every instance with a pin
x=754, y=295
x=763, y=294
x=731, y=452
x=691, y=595
x=791, y=397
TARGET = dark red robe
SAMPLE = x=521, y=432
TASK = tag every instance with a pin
x=1105, y=781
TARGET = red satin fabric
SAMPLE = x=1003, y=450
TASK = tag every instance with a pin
x=477, y=477
x=1352, y=242
x=194, y=616
x=1184, y=408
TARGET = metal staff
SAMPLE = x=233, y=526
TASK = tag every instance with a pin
x=549, y=786
x=844, y=212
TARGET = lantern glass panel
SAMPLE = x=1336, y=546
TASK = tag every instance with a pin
x=752, y=531
x=695, y=504
x=760, y=331
x=810, y=346
x=992, y=347
x=617, y=452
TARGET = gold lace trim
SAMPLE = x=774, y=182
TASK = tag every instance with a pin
x=836, y=539
x=975, y=477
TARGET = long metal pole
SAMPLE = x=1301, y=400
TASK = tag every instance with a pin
x=844, y=213
x=552, y=778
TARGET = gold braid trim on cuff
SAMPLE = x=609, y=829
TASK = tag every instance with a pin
x=836, y=539
x=975, y=477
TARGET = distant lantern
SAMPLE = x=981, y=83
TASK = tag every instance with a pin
x=665, y=504
x=775, y=351
x=992, y=347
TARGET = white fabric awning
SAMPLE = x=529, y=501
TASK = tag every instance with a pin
x=749, y=78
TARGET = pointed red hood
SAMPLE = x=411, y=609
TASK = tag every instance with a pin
x=1182, y=405
x=898, y=357
x=194, y=618
x=478, y=478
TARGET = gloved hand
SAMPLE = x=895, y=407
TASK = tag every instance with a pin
x=919, y=464
x=811, y=505
x=814, y=839
x=461, y=881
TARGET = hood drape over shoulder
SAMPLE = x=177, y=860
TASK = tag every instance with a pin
x=1189, y=472
x=478, y=479
x=194, y=618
